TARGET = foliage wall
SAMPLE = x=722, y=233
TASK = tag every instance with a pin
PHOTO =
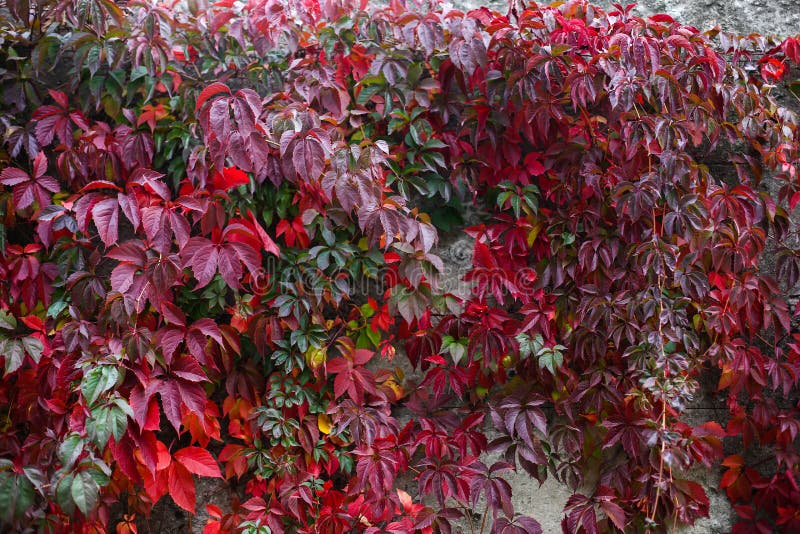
x=218, y=225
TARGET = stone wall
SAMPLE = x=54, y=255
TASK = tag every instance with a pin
x=767, y=17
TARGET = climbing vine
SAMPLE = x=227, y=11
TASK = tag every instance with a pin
x=218, y=235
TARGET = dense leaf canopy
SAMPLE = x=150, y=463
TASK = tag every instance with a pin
x=218, y=235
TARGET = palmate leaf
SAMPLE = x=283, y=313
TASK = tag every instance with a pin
x=183, y=388
x=521, y=414
x=351, y=375
x=520, y=525
x=106, y=421
x=206, y=258
x=58, y=121
x=97, y=381
x=28, y=189
x=195, y=337
x=496, y=490
x=229, y=252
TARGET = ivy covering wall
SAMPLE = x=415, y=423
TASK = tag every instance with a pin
x=218, y=231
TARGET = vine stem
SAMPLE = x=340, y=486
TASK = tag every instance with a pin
x=661, y=459
x=485, y=513
x=468, y=515
x=663, y=424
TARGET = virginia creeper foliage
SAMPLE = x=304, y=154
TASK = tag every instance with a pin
x=218, y=231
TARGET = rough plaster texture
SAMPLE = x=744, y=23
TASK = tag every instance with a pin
x=767, y=17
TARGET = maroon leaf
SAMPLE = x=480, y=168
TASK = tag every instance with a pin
x=105, y=215
x=29, y=189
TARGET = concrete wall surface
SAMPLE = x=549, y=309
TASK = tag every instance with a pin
x=767, y=17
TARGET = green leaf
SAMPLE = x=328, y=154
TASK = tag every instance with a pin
x=409, y=303
x=13, y=352
x=97, y=381
x=794, y=87
x=434, y=143
x=7, y=493
x=529, y=345
x=7, y=321
x=70, y=450
x=16, y=496
x=100, y=473
x=551, y=358
x=416, y=136
x=124, y=406
x=36, y=477
x=34, y=348
x=413, y=74
x=368, y=91
x=374, y=336
x=457, y=351
x=64, y=493
x=98, y=426
x=55, y=309
x=117, y=421
x=84, y=491
x=515, y=205
x=25, y=496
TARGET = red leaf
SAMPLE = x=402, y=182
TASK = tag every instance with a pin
x=198, y=461
x=187, y=368
x=772, y=69
x=147, y=446
x=181, y=486
x=308, y=158
x=11, y=176
x=303, y=153
x=27, y=189
x=200, y=254
x=734, y=461
x=100, y=184
x=791, y=48
x=269, y=244
x=59, y=97
x=615, y=513
x=106, y=219
x=662, y=17
x=57, y=121
x=171, y=402
x=141, y=401
x=210, y=91
x=168, y=340
x=229, y=178
x=151, y=180
x=173, y=314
